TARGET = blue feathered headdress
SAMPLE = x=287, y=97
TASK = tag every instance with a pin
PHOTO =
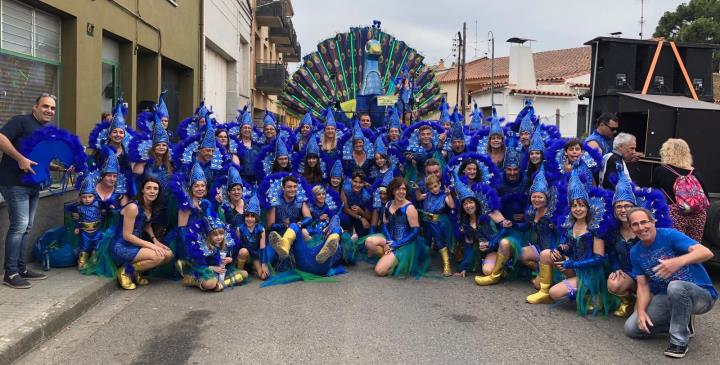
x=197, y=174
x=280, y=148
x=458, y=134
x=247, y=117
x=312, y=147
x=394, y=119
x=269, y=119
x=444, y=111
x=111, y=165
x=463, y=191
x=208, y=140
x=234, y=177
x=118, y=119
x=537, y=143
x=87, y=187
x=477, y=118
x=526, y=124
x=495, y=127
x=162, y=109
x=512, y=158
x=307, y=119
x=540, y=184
x=380, y=147
x=329, y=118
x=576, y=188
x=623, y=188
x=253, y=206
x=160, y=135
x=337, y=169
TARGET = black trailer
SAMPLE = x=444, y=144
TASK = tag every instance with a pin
x=667, y=109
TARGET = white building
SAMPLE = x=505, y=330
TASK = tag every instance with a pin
x=227, y=57
x=552, y=79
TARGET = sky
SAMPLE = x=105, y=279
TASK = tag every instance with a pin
x=429, y=26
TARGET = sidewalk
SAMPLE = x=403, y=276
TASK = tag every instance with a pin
x=30, y=316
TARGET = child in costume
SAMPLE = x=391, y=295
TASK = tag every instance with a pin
x=252, y=242
x=356, y=202
x=210, y=257
x=435, y=219
x=88, y=223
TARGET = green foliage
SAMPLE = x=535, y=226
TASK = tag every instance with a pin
x=697, y=21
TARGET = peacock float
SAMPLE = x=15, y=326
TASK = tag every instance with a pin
x=363, y=70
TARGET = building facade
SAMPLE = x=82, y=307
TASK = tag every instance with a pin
x=554, y=80
x=89, y=53
x=227, y=56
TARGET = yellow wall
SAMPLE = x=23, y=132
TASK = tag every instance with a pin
x=178, y=40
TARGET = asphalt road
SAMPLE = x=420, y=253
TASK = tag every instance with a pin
x=360, y=319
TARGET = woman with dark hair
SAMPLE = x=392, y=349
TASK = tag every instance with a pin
x=535, y=155
x=136, y=249
x=580, y=257
x=223, y=138
x=400, y=246
x=471, y=171
x=311, y=167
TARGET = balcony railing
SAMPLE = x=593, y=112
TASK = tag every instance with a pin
x=270, y=13
x=291, y=53
x=270, y=78
x=284, y=35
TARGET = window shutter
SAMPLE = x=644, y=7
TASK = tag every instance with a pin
x=17, y=27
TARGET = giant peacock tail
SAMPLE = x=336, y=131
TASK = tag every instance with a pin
x=335, y=72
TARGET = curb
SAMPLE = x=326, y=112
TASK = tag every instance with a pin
x=63, y=313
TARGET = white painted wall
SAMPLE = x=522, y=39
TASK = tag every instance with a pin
x=216, y=76
x=227, y=31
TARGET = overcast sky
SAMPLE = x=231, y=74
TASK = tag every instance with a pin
x=429, y=26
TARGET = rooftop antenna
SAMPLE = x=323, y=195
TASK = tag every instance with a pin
x=476, y=38
x=642, y=17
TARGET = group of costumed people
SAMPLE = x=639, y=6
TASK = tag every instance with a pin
x=500, y=200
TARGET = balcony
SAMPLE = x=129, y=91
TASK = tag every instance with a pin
x=270, y=78
x=270, y=13
x=291, y=53
x=284, y=35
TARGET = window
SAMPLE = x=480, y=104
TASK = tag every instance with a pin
x=29, y=57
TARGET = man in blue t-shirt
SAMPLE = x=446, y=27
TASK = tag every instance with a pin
x=672, y=284
x=21, y=198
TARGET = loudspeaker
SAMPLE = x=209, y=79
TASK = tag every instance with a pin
x=615, y=68
x=663, y=78
x=699, y=68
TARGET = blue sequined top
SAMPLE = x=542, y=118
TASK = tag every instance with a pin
x=619, y=252
x=90, y=214
x=542, y=234
x=251, y=240
x=138, y=227
x=361, y=198
x=484, y=231
x=397, y=223
x=288, y=211
x=578, y=248
x=435, y=203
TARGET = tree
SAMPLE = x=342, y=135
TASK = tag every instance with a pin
x=697, y=21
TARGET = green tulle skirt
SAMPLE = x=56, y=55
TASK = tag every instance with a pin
x=100, y=263
x=592, y=295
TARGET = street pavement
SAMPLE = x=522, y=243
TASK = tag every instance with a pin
x=359, y=319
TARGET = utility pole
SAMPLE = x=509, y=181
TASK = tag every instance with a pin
x=457, y=79
x=491, y=37
x=462, y=82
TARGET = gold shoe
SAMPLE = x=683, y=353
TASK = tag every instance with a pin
x=235, y=279
x=328, y=249
x=627, y=304
x=140, y=279
x=282, y=244
x=82, y=260
x=181, y=266
x=447, y=269
x=124, y=279
x=496, y=273
x=543, y=295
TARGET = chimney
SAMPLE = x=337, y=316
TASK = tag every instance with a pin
x=522, y=66
x=441, y=64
